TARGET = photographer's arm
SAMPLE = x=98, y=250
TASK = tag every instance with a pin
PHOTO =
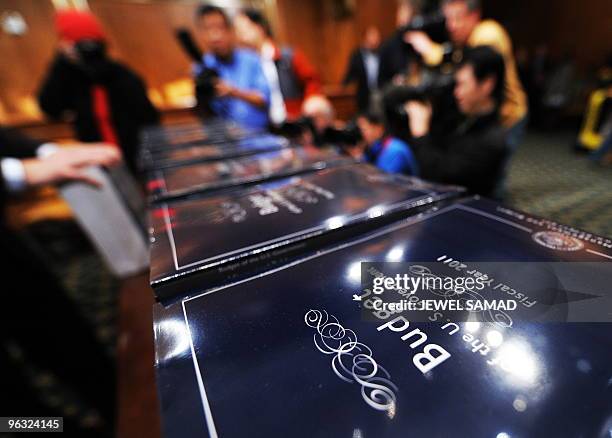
x=253, y=97
x=257, y=96
x=54, y=95
x=432, y=53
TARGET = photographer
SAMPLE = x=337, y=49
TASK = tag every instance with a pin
x=240, y=90
x=396, y=55
x=472, y=155
x=108, y=101
x=466, y=28
x=388, y=153
x=290, y=75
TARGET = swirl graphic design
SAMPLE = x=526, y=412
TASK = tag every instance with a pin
x=352, y=360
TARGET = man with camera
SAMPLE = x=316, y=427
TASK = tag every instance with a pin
x=471, y=155
x=395, y=54
x=466, y=28
x=239, y=89
x=107, y=100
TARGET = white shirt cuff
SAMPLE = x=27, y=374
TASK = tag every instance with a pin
x=46, y=149
x=13, y=173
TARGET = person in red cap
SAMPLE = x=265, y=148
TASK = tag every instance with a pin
x=107, y=100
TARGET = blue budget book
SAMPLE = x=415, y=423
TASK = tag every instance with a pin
x=289, y=353
x=198, y=242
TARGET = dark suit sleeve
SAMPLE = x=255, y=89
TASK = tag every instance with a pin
x=13, y=144
x=148, y=113
x=352, y=70
x=55, y=95
x=144, y=111
x=385, y=69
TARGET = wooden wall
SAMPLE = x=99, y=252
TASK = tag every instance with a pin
x=24, y=58
x=141, y=35
x=327, y=40
x=582, y=29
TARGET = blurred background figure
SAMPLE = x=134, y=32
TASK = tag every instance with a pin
x=474, y=153
x=390, y=154
x=105, y=99
x=467, y=28
x=396, y=55
x=290, y=75
x=236, y=88
x=363, y=68
x=321, y=117
x=596, y=132
x=52, y=336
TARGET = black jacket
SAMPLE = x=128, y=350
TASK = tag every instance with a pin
x=471, y=156
x=395, y=57
x=68, y=88
x=356, y=72
x=13, y=145
x=50, y=326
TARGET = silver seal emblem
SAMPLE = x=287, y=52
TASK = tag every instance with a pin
x=558, y=241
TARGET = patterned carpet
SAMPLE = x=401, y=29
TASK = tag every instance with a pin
x=547, y=178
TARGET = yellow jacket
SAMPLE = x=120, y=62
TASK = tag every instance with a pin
x=491, y=33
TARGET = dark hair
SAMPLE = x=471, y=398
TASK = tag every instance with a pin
x=473, y=5
x=256, y=17
x=373, y=117
x=417, y=5
x=487, y=62
x=207, y=9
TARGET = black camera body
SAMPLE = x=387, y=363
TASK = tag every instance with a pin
x=90, y=51
x=437, y=91
x=430, y=24
x=205, y=89
x=349, y=135
x=204, y=82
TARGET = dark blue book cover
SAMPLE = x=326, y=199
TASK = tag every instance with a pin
x=190, y=134
x=199, y=235
x=206, y=177
x=205, y=152
x=288, y=353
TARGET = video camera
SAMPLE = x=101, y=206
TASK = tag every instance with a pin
x=437, y=91
x=207, y=77
x=434, y=24
x=349, y=135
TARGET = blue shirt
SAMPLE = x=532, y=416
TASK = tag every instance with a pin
x=244, y=72
x=392, y=155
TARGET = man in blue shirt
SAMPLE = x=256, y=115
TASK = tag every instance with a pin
x=241, y=91
x=389, y=154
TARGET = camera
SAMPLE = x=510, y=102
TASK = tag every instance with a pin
x=90, y=51
x=437, y=90
x=205, y=81
x=92, y=58
x=349, y=135
x=434, y=24
x=205, y=89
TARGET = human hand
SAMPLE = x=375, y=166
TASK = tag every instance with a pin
x=419, y=41
x=70, y=164
x=419, y=117
x=224, y=89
